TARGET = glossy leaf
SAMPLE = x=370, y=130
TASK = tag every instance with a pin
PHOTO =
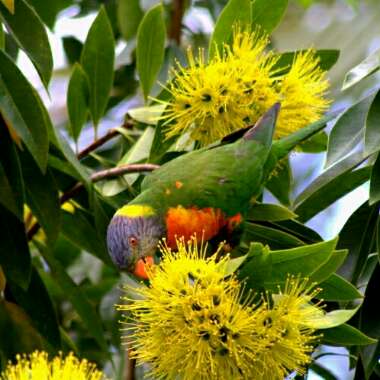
x=268, y=14
x=333, y=318
x=77, y=100
x=42, y=197
x=348, y=131
x=369, y=322
x=358, y=235
x=365, y=68
x=2, y=36
x=35, y=45
x=330, y=266
x=37, y=303
x=269, y=212
x=150, y=47
x=129, y=15
x=98, y=63
x=345, y=335
x=47, y=10
x=236, y=12
x=336, y=288
x=147, y=115
x=78, y=230
x=269, y=269
x=372, y=135
x=280, y=182
x=275, y=238
x=329, y=175
x=315, y=144
x=22, y=109
x=332, y=191
x=76, y=296
x=14, y=251
x=11, y=181
x=374, y=189
x=17, y=331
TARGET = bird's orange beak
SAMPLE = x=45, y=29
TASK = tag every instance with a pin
x=141, y=267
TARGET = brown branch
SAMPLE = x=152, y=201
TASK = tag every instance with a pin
x=178, y=9
x=102, y=140
x=130, y=368
x=103, y=174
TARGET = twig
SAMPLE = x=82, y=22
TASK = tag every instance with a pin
x=102, y=140
x=103, y=174
x=176, y=21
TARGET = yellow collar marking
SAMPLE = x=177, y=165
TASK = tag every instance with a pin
x=135, y=211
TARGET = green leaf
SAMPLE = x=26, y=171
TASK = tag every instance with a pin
x=17, y=332
x=268, y=14
x=75, y=295
x=269, y=212
x=280, y=182
x=374, y=188
x=332, y=191
x=348, y=130
x=358, y=235
x=330, y=266
x=329, y=175
x=361, y=71
x=2, y=36
x=42, y=198
x=36, y=44
x=327, y=59
x=129, y=15
x=73, y=49
x=275, y=238
x=150, y=47
x=232, y=265
x=97, y=60
x=235, y=13
x=372, y=135
x=21, y=108
x=14, y=251
x=37, y=303
x=333, y=318
x=147, y=115
x=269, y=269
x=77, y=100
x=78, y=230
x=336, y=288
x=11, y=182
x=315, y=144
x=47, y=10
x=299, y=230
x=345, y=335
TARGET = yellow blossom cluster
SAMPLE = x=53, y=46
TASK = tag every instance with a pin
x=193, y=322
x=235, y=87
x=37, y=366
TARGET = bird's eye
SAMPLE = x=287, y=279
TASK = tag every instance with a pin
x=133, y=241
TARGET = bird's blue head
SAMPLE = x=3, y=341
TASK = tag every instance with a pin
x=133, y=234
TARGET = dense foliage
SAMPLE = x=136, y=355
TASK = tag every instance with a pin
x=58, y=286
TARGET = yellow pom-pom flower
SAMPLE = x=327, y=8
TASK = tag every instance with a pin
x=37, y=366
x=193, y=322
x=231, y=91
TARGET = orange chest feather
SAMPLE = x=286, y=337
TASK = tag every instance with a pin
x=205, y=222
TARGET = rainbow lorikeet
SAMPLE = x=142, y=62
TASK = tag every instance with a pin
x=202, y=192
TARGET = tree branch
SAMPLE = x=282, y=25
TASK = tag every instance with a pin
x=178, y=9
x=95, y=177
x=102, y=140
